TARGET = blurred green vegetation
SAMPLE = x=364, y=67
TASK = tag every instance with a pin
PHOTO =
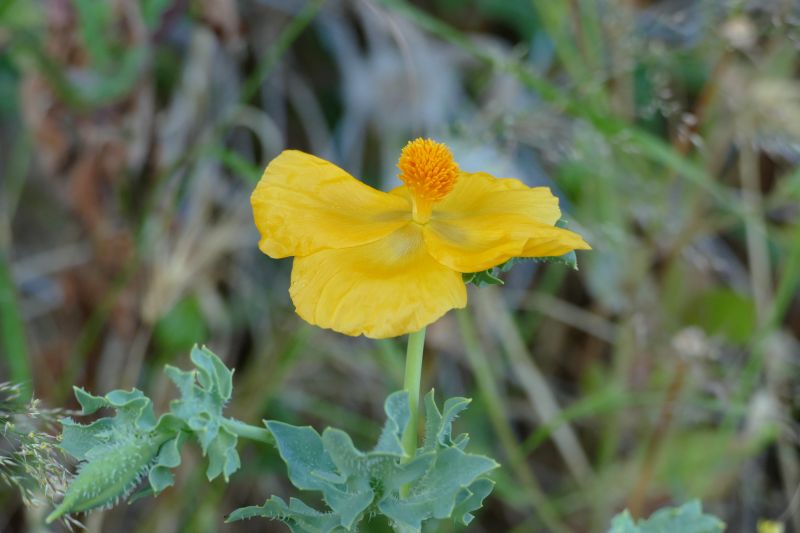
x=665, y=369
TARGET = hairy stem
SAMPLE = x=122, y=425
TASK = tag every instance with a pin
x=246, y=431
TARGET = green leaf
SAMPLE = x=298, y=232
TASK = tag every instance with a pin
x=397, y=415
x=348, y=460
x=169, y=457
x=438, y=426
x=688, y=518
x=406, y=473
x=443, y=480
x=110, y=474
x=134, y=420
x=298, y=516
x=471, y=499
x=352, y=501
x=204, y=393
x=213, y=375
x=222, y=456
x=133, y=407
x=434, y=495
x=77, y=439
x=302, y=451
x=117, y=452
x=349, y=506
x=89, y=402
x=330, y=464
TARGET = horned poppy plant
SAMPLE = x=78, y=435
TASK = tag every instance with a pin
x=386, y=264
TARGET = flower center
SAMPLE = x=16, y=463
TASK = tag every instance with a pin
x=429, y=172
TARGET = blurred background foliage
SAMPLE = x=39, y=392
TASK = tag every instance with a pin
x=665, y=369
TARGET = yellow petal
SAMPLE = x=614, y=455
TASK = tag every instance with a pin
x=549, y=242
x=485, y=221
x=304, y=204
x=382, y=289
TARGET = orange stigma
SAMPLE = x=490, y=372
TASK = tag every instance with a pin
x=429, y=172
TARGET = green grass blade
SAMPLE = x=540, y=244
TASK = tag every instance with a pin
x=13, y=343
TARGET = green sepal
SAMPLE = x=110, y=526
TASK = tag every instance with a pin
x=688, y=518
x=491, y=276
x=483, y=278
x=569, y=259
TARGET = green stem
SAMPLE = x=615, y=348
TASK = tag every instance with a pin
x=246, y=431
x=411, y=384
x=12, y=329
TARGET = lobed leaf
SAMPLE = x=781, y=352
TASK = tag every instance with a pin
x=77, y=439
x=407, y=473
x=398, y=413
x=111, y=473
x=688, y=518
x=297, y=515
x=302, y=450
x=435, y=494
x=204, y=393
x=439, y=426
x=117, y=452
x=441, y=481
x=471, y=499
x=169, y=457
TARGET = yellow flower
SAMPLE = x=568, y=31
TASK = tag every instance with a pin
x=385, y=264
